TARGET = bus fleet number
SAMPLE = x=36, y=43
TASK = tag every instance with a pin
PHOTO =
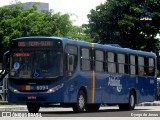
x=42, y=87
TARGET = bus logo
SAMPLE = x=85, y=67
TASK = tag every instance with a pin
x=115, y=82
x=146, y=13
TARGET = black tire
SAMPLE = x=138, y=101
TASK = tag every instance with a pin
x=33, y=107
x=131, y=104
x=81, y=102
x=92, y=107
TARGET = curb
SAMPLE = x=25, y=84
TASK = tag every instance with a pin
x=23, y=107
x=149, y=104
x=12, y=108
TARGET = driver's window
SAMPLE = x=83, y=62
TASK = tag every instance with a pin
x=71, y=55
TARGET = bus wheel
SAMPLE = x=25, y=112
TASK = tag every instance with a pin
x=131, y=104
x=33, y=107
x=92, y=107
x=81, y=102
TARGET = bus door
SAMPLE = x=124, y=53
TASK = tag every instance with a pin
x=146, y=80
x=151, y=77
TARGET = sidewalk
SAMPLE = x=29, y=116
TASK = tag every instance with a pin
x=155, y=103
x=12, y=107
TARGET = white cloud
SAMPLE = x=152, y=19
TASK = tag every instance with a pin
x=78, y=7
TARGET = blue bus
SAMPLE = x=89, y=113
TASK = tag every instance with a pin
x=48, y=71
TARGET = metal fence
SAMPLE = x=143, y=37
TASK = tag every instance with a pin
x=4, y=89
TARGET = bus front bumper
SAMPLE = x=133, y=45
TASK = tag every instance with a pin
x=35, y=97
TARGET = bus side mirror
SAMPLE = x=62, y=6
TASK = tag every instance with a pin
x=0, y=70
x=70, y=60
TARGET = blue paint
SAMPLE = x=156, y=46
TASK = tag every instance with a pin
x=110, y=88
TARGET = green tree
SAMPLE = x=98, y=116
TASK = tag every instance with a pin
x=118, y=21
x=79, y=33
x=17, y=22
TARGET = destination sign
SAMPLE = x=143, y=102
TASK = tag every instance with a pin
x=21, y=54
x=35, y=44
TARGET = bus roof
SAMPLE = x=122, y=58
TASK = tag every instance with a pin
x=96, y=45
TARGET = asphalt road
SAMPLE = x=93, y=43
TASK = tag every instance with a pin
x=103, y=112
x=113, y=113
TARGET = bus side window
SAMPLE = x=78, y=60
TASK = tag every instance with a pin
x=71, y=54
x=141, y=66
x=132, y=65
x=111, y=62
x=99, y=61
x=151, y=67
x=85, y=59
x=121, y=63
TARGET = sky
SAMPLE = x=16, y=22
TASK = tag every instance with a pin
x=79, y=8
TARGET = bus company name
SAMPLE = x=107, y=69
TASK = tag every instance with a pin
x=115, y=82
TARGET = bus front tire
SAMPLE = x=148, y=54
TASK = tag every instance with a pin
x=131, y=104
x=33, y=107
x=81, y=102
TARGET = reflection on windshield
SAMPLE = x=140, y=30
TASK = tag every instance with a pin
x=36, y=64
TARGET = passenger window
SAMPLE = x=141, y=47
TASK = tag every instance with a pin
x=85, y=59
x=132, y=65
x=111, y=62
x=85, y=53
x=71, y=50
x=151, y=66
x=121, y=63
x=141, y=66
x=99, y=60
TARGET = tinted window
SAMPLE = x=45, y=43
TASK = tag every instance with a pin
x=151, y=66
x=132, y=65
x=111, y=62
x=121, y=62
x=141, y=66
x=99, y=59
x=85, y=59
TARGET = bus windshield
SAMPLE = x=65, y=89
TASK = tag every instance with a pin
x=36, y=64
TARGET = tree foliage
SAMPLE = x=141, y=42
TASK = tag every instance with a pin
x=16, y=22
x=118, y=21
x=80, y=33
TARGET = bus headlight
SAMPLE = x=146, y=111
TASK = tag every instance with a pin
x=13, y=89
x=56, y=88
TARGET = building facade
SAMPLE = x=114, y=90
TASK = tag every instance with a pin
x=42, y=7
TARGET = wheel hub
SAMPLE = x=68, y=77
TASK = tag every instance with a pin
x=81, y=102
x=132, y=100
